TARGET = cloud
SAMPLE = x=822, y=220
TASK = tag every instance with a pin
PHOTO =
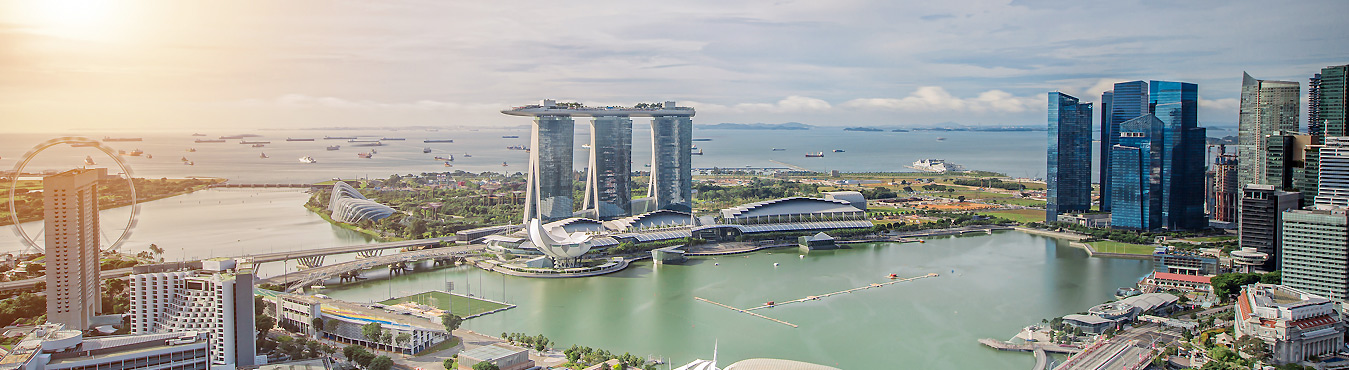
x=1228, y=104
x=307, y=101
x=937, y=99
x=790, y=104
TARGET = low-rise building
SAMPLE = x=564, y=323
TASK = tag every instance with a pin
x=1294, y=324
x=1089, y=323
x=1185, y=263
x=343, y=322
x=503, y=356
x=819, y=241
x=1188, y=283
x=51, y=347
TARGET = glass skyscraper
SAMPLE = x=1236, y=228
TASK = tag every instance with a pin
x=1135, y=175
x=1069, y=170
x=548, y=194
x=608, y=179
x=671, y=163
x=1176, y=105
x=1108, y=136
x=1127, y=101
x=1268, y=109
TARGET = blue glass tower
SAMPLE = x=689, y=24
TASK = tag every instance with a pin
x=1127, y=101
x=1176, y=105
x=1069, y=172
x=1136, y=177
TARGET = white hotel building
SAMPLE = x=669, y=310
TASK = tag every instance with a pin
x=216, y=300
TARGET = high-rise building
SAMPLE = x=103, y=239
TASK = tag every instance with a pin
x=1315, y=126
x=216, y=300
x=1128, y=100
x=1261, y=219
x=1226, y=191
x=608, y=178
x=671, y=162
x=1316, y=252
x=1069, y=172
x=1136, y=175
x=70, y=212
x=1333, y=100
x=1333, y=175
x=1285, y=158
x=1109, y=137
x=548, y=193
x=1267, y=108
x=1176, y=105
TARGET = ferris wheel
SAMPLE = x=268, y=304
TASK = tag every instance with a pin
x=30, y=241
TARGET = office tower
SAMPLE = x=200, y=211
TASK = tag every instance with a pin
x=70, y=212
x=548, y=192
x=1315, y=126
x=1333, y=101
x=1316, y=252
x=1267, y=108
x=216, y=300
x=1226, y=191
x=1285, y=158
x=1261, y=218
x=1308, y=182
x=671, y=162
x=1175, y=104
x=1136, y=176
x=1109, y=136
x=608, y=179
x=1333, y=175
x=1128, y=100
x=1069, y=172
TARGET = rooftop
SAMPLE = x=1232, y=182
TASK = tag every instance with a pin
x=552, y=108
x=491, y=352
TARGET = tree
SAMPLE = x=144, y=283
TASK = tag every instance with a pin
x=330, y=325
x=403, y=339
x=372, y=332
x=449, y=364
x=264, y=324
x=380, y=363
x=451, y=321
x=350, y=352
x=318, y=323
x=485, y=366
x=259, y=305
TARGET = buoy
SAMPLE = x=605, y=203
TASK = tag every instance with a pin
x=803, y=256
x=894, y=276
x=716, y=264
x=775, y=264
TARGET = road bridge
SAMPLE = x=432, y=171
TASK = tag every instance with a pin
x=28, y=284
x=359, y=248
x=317, y=275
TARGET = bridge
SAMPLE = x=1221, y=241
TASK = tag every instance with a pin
x=288, y=186
x=316, y=255
x=29, y=284
x=396, y=262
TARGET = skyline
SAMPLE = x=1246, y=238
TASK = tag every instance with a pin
x=138, y=65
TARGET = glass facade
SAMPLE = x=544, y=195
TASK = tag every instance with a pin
x=672, y=163
x=549, y=191
x=1176, y=105
x=1069, y=171
x=1107, y=140
x=1268, y=108
x=1331, y=110
x=1333, y=177
x=1261, y=215
x=1127, y=101
x=1136, y=176
x=1316, y=253
x=608, y=180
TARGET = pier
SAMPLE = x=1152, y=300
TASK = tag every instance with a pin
x=826, y=295
x=792, y=166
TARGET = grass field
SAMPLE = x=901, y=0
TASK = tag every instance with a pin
x=1110, y=246
x=1210, y=239
x=1018, y=215
x=456, y=304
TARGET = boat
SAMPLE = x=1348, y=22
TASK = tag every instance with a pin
x=135, y=153
x=363, y=155
x=697, y=151
x=254, y=142
x=510, y=136
x=438, y=141
x=426, y=150
x=447, y=164
x=196, y=134
x=264, y=155
x=294, y=139
x=147, y=156
x=585, y=146
x=503, y=164
x=941, y=139
x=779, y=149
x=184, y=159
x=439, y=158
x=307, y=159
x=339, y=138
x=935, y=165
x=393, y=138
x=466, y=155
x=518, y=147
x=362, y=141
x=838, y=150
x=191, y=150
x=701, y=139
x=234, y=137
x=334, y=147
x=190, y=163
x=105, y=138
x=259, y=145
x=815, y=155
x=369, y=144
x=88, y=161
x=209, y=141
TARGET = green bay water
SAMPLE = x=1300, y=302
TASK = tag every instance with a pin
x=989, y=286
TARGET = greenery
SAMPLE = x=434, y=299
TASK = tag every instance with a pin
x=112, y=194
x=450, y=365
x=1227, y=285
x=23, y=309
x=990, y=183
x=586, y=356
x=538, y=343
x=458, y=304
x=485, y=366
x=1018, y=215
x=1109, y=246
x=380, y=363
x=451, y=321
x=359, y=355
x=714, y=197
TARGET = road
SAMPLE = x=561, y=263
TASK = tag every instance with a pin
x=27, y=284
x=1120, y=352
x=281, y=256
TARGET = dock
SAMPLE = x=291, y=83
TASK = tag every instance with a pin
x=791, y=166
x=747, y=312
x=826, y=295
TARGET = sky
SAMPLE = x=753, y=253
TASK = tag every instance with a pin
x=188, y=65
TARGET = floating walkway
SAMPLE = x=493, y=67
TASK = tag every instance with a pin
x=826, y=295
x=811, y=298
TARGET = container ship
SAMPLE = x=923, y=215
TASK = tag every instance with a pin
x=815, y=155
x=438, y=141
x=294, y=139
x=105, y=138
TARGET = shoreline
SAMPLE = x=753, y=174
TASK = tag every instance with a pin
x=7, y=220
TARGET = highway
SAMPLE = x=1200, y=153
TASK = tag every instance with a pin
x=1125, y=351
x=27, y=284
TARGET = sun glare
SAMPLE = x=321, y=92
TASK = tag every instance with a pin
x=78, y=19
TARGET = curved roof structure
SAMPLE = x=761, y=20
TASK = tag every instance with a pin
x=557, y=243
x=1150, y=301
x=660, y=218
x=788, y=206
x=700, y=365
x=776, y=364
x=349, y=206
x=576, y=224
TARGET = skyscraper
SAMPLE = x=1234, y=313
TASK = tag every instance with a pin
x=608, y=179
x=1176, y=104
x=671, y=162
x=548, y=193
x=1333, y=177
x=1069, y=172
x=1315, y=126
x=216, y=301
x=1267, y=108
x=1333, y=100
x=1316, y=252
x=1127, y=101
x=1226, y=191
x=1136, y=175
x=1261, y=220
x=1285, y=159
x=70, y=214
x=1109, y=137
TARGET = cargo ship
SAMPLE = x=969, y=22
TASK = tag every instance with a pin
x=815, y=155
x=294, y=139
x=209, y=140
x=105, y=138
x=438, y=141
